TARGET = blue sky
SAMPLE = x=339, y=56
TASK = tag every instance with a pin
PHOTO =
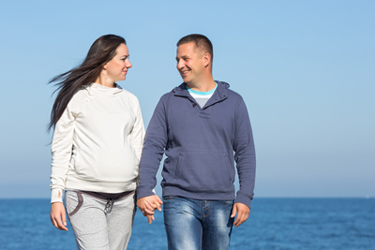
x=306, y=70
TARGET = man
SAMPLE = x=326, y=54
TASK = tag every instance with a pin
x=198, y=125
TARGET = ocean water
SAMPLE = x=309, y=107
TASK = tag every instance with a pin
x=274, y=223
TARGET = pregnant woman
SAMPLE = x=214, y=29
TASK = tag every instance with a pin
x=96, y=148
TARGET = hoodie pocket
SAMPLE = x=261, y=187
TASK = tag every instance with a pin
x=204, y=171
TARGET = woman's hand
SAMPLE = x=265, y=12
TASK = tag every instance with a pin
x=148, y=205
x=58, y=216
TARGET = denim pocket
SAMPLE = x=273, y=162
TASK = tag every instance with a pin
x=229, y=203
x=168, y=198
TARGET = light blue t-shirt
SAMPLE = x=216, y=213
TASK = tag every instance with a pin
x=201, y=97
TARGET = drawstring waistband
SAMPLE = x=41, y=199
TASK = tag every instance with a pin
x=108, y=206
x=109, y=197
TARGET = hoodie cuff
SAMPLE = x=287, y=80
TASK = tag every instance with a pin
x=243, y=199
x=144, y=192
x=56, y=195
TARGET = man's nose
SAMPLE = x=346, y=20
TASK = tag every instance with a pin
x=180, y=64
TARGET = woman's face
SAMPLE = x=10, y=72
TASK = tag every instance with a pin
x=117, y=68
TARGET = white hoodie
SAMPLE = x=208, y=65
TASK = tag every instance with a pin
x=97, y=143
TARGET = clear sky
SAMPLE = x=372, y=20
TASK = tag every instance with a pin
x=306, y=70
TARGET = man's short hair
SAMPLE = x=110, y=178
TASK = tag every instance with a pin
x=200, y=41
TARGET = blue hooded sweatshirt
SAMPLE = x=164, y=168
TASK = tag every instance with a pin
x=201, y=146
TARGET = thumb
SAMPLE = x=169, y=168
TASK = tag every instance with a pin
x=159, y=200
x=234, y=211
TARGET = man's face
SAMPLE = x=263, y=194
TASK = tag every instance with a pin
x=190, y=62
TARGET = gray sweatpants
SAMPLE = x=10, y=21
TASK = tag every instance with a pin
x=94, y=226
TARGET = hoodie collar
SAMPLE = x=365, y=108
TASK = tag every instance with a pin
x=220, y=93
x=221, y=90
x=105, y=90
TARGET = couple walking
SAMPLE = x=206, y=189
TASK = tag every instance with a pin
x=102, y=158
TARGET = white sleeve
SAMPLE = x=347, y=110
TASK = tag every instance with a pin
x=138, y=132
x=62, y=144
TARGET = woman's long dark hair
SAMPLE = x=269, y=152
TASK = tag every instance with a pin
x=101, y=51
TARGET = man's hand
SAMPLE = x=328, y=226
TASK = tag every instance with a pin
x=58, y=216
x=242, y=212
x=148, y=205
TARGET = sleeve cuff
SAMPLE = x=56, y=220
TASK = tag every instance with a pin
x=143, y=193
x=243, y=199
x=56, y=195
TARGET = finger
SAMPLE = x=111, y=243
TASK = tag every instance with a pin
x=159, y=200
x=150, y=218
x=153, y=205
x=149, y=212
x=234, y=211
x=64, y=228
x=64, y=219
x=159, y=205
x=241, y=218
x=58, y=223
x=236, y=222
x=141, y=204
x=54, y=223
x=61, y=225
x=142, y=210
x=149, y=206
x=56, y=220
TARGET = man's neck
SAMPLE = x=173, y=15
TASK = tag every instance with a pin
x=202, y=86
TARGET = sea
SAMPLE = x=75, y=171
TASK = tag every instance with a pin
x=274, y=223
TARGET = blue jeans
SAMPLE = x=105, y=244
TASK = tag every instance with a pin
x=197, y=224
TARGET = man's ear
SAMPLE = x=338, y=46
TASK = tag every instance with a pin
x=207, y=59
